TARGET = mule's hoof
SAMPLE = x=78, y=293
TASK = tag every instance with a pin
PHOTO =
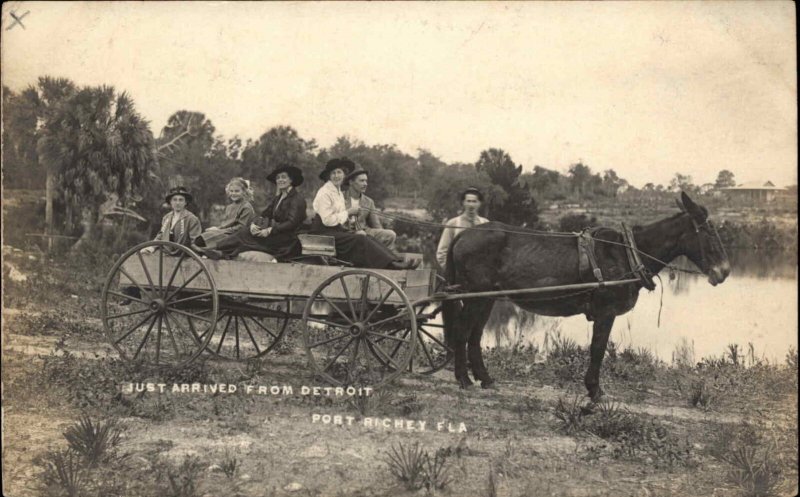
x=464, y=383
x=490, y=383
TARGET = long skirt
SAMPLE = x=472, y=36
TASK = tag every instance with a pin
x=281, y=246
x=359, y=250
x=210, y=238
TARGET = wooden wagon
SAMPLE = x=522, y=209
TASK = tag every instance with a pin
x=164, y=304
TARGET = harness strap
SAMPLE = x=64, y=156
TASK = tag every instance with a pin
x=586, y=256
x=635, y=261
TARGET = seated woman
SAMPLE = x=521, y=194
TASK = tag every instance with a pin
x=179, y=225
x=274, y=232
x=237, y=214
x=471, y=200
x=332, y=215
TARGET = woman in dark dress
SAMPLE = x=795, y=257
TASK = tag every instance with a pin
x=274, y=232
x=332, y=214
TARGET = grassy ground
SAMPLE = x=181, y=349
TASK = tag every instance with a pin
x=724, y=427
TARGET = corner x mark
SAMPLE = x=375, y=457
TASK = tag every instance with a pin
x=17, y=20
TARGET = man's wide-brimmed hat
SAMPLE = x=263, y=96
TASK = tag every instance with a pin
x=179, y=190
x=357, y=172
x=294, y=173
x=344, y=164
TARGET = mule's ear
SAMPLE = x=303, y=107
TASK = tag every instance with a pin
x=691, y=207
x=680, y=205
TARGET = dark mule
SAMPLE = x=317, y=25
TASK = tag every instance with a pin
x=490, y=258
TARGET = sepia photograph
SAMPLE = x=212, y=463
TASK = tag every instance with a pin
x=378, y=249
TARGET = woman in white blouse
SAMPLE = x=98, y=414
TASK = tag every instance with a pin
x=332, y=214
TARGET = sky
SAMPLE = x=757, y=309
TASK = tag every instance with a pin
x=648, y=89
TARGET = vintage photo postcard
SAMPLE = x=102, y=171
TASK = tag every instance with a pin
x=468, y=249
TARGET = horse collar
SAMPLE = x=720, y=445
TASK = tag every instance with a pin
x=637, y=268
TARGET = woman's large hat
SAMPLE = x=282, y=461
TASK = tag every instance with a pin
x=344, y=164
x=179, y=190
x=294, y=173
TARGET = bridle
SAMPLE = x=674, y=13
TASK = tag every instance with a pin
x=709, y=227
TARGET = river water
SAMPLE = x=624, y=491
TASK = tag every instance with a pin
x=757, y=304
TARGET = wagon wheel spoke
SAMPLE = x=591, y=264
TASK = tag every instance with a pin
x=126, y=314
x=336, y=308
x=263, y=327
x=198, y=338
x=352, y=362
x=161, y=272
x=426, y=333
x=400, y=344
x=144, y=340
x=397, y=316
x=193, y=297
x=134, y=328
x=389, y=337
x=190, y=315
x=185, y=283
x=329, y=340
x=338, y=354
x=130, y=297
x=224, y=332
x=250, y=334
x=375, y=309
x=144, y=267
x=174, y=272
x=236, y=330
x=349, y=300
x=133, y=280
x=425, y=350
x=171, y=335
x=383, y=353
x=365, y=297
x=158, y=339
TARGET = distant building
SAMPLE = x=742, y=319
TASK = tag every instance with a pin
x=755, y=192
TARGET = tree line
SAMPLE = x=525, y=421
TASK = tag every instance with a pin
x=97, y=158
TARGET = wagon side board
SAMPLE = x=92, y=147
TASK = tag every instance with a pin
x=280, y=280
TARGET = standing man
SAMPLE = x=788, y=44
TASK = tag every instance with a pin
x=471, y=200
x=366, y=221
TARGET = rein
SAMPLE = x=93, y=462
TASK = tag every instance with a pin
x=554, y=234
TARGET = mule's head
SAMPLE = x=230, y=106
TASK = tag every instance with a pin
x=700, y=242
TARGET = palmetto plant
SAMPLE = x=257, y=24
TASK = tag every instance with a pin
x=407, y=464
x=94, y=442
x=64, y=469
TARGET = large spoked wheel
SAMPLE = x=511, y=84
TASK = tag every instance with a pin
x=360, y=329
x=248, y=329
x=431, y=353
x=159, y=304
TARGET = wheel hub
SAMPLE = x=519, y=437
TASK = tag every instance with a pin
x=358, y=329
x=158, y=305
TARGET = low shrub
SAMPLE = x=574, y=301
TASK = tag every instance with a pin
x=95, y=441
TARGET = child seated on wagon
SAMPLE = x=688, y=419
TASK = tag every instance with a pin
x=238, y=214
x=179, y=225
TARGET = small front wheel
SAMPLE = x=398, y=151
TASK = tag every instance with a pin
x=360, y=329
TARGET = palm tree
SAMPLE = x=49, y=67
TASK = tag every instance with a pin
x=97, y=147
x=43, y=101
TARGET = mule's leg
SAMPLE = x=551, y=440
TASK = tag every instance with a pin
x=477, y=318
x=600, y=333
x=456, y=338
